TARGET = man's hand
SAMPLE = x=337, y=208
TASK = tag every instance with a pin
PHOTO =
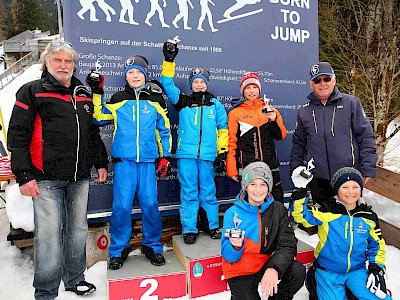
x=170, y=51
x=102, y=175
x=219, y=162
x=269, y=282
x=376, y=281
x=301, y=177
x=163, y=166
x=95, y=80
x=30, y=189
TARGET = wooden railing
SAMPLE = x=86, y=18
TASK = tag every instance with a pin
x=387, y=184
x=15, y=69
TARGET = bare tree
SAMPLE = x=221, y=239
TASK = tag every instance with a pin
x=361, y=39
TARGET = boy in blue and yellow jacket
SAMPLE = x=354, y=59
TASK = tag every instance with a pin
x=202, y=145
x=349, y=236
x=141, y=135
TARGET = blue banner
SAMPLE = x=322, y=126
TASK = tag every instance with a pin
x=276, y=38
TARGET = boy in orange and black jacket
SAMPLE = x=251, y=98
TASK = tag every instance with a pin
x=252, y=133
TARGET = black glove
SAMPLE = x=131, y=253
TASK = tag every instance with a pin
x=299, y=194
x=95, y=80
x=376, y=281
x=219, y=162
x=163, y=165
x=170, y=51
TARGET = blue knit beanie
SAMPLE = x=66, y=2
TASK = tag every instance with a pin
x=137, y=62
x=346, y=174
x=199, y=72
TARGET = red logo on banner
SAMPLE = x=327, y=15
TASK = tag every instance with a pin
x=102, y=242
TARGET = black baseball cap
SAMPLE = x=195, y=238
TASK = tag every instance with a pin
x=321, y=68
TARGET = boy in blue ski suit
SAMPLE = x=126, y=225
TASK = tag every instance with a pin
x=202, y=145
x=349, y=235
x=141, y=135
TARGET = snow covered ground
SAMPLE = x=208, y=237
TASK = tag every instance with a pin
x=16, y=271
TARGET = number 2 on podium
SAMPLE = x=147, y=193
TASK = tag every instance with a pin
x=153, y=287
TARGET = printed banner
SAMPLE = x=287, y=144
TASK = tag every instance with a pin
x=276, y=38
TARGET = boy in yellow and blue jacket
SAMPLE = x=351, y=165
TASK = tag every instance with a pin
x=141, y=135
x=349, y=236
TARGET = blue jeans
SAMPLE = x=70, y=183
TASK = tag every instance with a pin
x=60, y=235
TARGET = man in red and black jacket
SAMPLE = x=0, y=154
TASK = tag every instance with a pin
x=54, y=145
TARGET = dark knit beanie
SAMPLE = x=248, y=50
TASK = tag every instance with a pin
x=137, y=62
x=256, y=170
x=346, y=174
x=199, y=72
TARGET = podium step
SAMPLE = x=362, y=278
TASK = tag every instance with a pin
x=194, y=270
x=138, y=278
x=203, y=263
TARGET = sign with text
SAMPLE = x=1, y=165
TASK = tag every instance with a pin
x=276, y=38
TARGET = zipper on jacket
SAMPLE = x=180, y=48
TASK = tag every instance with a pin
x=137, y=126
x=265, y=239
x=73, y=100
x=260, y=230
x=315, y=122
x=196, y=116
x=326, y=144
x=352, y=146
x=350, y=229
x=201, y=125
x=333, y=121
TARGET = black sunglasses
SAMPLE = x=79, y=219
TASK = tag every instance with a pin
x=57, y=44
x=319, y=79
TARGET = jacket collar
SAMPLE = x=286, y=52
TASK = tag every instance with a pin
x=254, y=102
x=50, y=83
x=198, y=96
x=241, y=200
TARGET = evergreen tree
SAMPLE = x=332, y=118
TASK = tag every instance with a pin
x=26, y=15
x=51, y=15
x=3, y=24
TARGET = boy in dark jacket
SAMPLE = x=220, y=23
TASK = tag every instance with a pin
x=259, y=244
